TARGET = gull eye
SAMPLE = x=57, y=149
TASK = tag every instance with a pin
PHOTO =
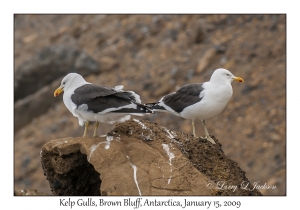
x=228, y=75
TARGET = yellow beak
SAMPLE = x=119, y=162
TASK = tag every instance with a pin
x=238, y=79
x=58, y=91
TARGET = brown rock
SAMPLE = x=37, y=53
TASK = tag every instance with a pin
x=143, y=170
x=138, y=158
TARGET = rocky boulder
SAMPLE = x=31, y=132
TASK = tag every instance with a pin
x=140, y=158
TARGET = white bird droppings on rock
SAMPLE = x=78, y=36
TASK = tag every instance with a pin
x=171, y=156
x=142, y=124
x=134, y=175
x=169, y=135
x=108, y=140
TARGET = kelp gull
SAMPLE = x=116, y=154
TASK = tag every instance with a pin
x=200, y=100
x=90, y=102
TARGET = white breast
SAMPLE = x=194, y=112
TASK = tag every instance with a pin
x=68, y=102
x=215, y=99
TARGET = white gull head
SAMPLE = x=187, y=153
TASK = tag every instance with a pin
x=222, y=76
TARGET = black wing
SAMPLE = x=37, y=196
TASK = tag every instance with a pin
x=100, y=98
x=90, y=91
x=184, y=97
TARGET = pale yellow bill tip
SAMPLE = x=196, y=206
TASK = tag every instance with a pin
x=58, y=91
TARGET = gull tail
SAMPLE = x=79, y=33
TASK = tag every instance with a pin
x=140, y=110
x=155, y=107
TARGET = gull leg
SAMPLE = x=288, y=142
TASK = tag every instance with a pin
x=95, y=130
x=193, y=125
x=207, y=136
x=86, y=125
